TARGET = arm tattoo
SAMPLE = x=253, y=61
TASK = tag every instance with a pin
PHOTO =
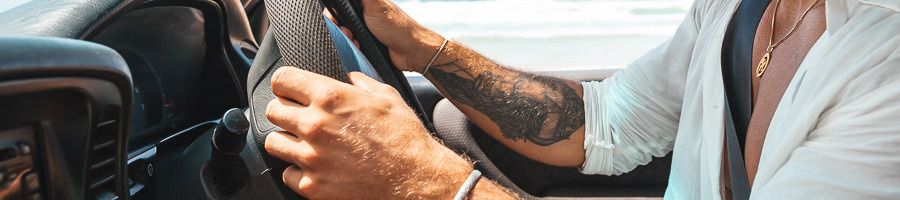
x=540, y=109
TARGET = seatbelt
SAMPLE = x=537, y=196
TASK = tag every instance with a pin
x=737, y=50
x=740, y=185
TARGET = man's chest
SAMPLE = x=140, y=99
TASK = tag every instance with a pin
x=783, y=39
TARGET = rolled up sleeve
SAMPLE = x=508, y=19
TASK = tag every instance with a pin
x=633, y=115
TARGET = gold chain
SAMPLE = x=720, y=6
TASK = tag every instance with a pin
x=764, y=62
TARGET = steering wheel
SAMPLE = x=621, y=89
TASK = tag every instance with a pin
x=301, y=37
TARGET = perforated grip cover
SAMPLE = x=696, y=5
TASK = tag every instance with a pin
x=303, y=38
x=304, y=41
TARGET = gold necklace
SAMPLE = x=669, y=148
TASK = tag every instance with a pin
x=764, y=62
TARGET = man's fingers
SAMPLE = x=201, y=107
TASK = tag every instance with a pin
x=285, y=113
x=345, y=30
x=290, y=148
x=349, y=34
x=303, y=86
x=364, y=82
x=329, y=16
x=301, y=121
x=298, y=180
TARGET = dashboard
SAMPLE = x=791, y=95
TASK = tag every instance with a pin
x=179, y=91
x=176, y=83
x=181, y=82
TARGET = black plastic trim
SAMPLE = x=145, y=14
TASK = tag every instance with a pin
x=218, y=35
x=94, y=78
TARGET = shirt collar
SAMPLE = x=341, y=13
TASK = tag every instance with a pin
x=837, y=12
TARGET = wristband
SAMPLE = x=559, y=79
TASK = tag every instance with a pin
x=436, y=54
x=467, y=186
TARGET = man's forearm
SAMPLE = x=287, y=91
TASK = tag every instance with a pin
x=533, y=114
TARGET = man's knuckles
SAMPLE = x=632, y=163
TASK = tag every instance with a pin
x=277, y=77
x=282, y=77
x=290, y=80
x=324, y=93
x=301, y=181
x=329, y=97
x=315, y=126
x=380, y=107
x=387, y=89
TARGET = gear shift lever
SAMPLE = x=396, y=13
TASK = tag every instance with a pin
x=225, y=173
x=230, y=136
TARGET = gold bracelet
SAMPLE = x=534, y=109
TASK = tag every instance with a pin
x=438, y=53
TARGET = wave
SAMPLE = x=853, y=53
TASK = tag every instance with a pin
x=548, y=18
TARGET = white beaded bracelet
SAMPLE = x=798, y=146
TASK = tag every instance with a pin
x=467, y=186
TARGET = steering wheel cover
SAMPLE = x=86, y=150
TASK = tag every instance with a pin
x=303, y=37
x=298, y=37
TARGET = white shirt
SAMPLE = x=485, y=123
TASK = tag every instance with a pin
x=835, y=133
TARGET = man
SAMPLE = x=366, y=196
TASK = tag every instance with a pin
x=818, y=102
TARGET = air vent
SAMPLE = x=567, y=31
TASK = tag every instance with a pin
x=102, y=160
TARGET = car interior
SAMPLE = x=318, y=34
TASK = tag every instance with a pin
x=163, y=99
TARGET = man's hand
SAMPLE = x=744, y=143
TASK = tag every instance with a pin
x=410, y=44
x=538, y=116
x=356, y=141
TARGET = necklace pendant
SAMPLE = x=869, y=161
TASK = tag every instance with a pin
x=763, y=65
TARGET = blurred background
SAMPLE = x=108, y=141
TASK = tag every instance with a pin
x=547, y=34
x=553, y=34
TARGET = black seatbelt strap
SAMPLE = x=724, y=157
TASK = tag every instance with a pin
x=737, y=50
x=740, y=185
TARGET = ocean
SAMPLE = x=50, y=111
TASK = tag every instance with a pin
x=551, y=34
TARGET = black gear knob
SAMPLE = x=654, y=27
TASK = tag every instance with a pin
x=230, y=136
x=225, y=173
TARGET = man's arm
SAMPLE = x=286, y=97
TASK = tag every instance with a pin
x=538, y=116
x=360, y=141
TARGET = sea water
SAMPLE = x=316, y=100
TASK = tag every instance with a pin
x=554, y=34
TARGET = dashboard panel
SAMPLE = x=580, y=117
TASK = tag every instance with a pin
x=176, y=83
x=182, y=81
x=184, y=74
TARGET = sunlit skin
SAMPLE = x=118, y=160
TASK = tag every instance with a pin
x=360, y=140
x=348, y=147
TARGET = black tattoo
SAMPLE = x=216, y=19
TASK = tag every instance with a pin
x=540, y=109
